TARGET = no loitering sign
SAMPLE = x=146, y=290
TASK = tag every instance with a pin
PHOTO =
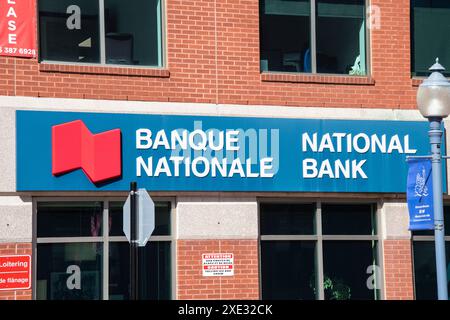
x=15, y=272
x=218, y=264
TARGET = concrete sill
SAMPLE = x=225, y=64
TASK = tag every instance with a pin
x=417, y=81
x=317, y=78
x=104, y=70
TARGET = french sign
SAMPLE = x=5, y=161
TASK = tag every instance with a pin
x=15, y=272
x=18, y=28
x=187, y=153
x=218, y=264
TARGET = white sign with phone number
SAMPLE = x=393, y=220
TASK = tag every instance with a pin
x=21, y=51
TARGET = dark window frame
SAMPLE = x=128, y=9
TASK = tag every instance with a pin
x=105, y=239
x=162, y=51
x=318, y=238
x=419, y=74
x=313, y=44
x=430, y=239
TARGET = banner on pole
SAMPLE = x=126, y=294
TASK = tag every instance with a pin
x=18, y=28
x=420, y=195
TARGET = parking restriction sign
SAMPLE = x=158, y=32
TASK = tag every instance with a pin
x=218, y=264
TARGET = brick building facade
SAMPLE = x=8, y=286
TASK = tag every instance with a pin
x=211, y=66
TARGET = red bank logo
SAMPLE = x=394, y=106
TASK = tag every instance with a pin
x=75, y=147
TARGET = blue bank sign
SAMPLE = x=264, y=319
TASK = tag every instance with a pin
x=187, y=153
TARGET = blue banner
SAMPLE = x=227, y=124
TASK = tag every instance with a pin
x=72, y=151
x=420, y=195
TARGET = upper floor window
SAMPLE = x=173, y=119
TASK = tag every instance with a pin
x=313, y=36
x=101, y=31
x=430, y=26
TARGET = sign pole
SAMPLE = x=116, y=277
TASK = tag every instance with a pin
x=435, y=134
x=134, y=293
x=138, y=225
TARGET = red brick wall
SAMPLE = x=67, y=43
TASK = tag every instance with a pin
x=245, y=283
x=15, y=249
x=192, y=285
x=213, y=57
x=398, y=270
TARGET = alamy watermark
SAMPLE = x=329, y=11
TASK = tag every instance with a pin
x=373, y=17
x=74, y=279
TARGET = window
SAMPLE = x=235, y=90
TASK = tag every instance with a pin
x=429, y=34
x=101, y=31
x=296, y=253
x=425, y=260
x=313, y=36
x=83, y=254
x=288, y=265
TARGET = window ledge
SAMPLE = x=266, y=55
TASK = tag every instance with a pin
x=417, y=81
x=104, y=70
x=317, y=78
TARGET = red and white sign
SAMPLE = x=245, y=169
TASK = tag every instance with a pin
x=218, y=264
x=18, y=28
x=15, y=272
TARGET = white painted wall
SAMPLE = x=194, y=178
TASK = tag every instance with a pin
x=7, y=150
x=216, y=218
x=394, y=221
x=15, y=219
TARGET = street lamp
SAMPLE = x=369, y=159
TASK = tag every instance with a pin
x=433, y=100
